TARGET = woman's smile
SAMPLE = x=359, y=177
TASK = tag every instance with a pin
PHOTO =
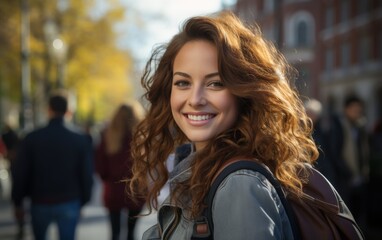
x=199, y=117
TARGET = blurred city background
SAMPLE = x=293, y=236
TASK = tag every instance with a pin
x=96, y=49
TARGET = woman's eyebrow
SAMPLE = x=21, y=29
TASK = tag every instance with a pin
x=182, y=74
x=211, y=75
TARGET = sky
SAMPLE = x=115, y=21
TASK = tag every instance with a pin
x=151, y=22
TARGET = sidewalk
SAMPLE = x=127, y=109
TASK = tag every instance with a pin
x=93, y=225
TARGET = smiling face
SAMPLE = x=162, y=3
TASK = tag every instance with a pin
x=201, y=105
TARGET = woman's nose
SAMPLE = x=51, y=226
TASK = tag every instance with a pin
x=197, y=96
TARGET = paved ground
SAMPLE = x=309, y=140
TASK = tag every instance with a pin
x=93, y=225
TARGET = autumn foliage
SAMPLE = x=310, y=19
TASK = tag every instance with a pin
x=96, y=71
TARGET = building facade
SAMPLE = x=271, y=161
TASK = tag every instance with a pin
x=334, y=44
x=351, y=60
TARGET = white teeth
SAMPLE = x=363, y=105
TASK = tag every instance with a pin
x=199, y=117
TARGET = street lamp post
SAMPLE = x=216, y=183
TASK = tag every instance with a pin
x=57, y=50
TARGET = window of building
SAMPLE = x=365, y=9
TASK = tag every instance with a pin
x=329, y=17
x=363, y=6
x=345, y=10
x=303, y=80
x=302, y=34
x=300, y=30
x=329, y=59
x=379, y=45
x=345, y=55
x=270, y=34
x=364, y=49
x=269, y=5
x=247, y=12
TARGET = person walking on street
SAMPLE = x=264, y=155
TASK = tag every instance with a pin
x=324, y=163
x=353, y=167
x=53, y=169
x=12, y=141
x=113, y=165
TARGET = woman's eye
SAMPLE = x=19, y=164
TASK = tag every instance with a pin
x=218, y=84
x=181, y=83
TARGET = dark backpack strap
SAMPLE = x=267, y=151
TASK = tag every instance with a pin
x=257, y=167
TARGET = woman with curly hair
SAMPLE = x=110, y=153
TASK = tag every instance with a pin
x=220, y=88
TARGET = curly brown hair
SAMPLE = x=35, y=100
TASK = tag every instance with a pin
x=272, y=125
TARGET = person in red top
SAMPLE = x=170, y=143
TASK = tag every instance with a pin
x=113, y=165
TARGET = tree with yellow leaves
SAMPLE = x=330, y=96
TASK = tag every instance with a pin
x=92, y=67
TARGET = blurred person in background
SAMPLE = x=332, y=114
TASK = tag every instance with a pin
x=11, y=141
x=375, y=207
x=113, y=165
x=54, y=169
x=3, y=168
x=354, y=169
x=324, y=162
x=3, y=149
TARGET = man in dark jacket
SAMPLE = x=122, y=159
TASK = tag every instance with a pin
x=353, y=163
x=55, y=171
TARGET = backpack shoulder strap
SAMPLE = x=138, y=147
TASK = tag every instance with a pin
x=236, y=165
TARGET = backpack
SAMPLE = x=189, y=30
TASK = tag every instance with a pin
x=319, y=214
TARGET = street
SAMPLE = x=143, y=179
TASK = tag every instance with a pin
x=93, y=224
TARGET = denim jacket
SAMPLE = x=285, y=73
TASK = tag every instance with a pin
x=246, y=206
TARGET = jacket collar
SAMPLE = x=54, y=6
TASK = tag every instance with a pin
x=56, y=121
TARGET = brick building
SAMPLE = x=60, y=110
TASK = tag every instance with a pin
x=334, y=44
